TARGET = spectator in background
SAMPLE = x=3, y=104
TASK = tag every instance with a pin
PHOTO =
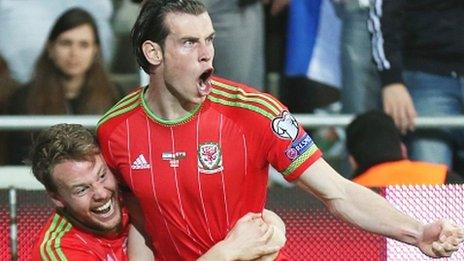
x=7, y=87
x=360, y=89
x=239, y=38
x=25, y=24
x=380, y=159
x=69, y=77
x=419, y=51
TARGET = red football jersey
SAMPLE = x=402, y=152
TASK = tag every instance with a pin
x=60, y=240
x=196, y=176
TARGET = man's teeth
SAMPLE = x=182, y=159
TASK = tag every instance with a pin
x=202, y=85
x=106, y=206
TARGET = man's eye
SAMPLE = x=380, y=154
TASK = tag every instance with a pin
x=188, y=43
x=80, y=191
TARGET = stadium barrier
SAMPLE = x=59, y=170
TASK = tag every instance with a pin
x=313, y=233
x=307, y=120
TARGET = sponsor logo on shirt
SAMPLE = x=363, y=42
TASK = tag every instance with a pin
x=140, y=163
x=285, y=126
x=209, y=158
x=174, y=158
x=299, y=146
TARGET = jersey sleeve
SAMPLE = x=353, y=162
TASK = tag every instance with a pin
x=291, y=150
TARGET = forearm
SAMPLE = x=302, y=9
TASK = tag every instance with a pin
x=368, y=210
x=218, y=252
x=252, y=237
x=137, y=248
x=357, y=204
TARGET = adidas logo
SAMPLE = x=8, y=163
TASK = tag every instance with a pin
x=140, y=163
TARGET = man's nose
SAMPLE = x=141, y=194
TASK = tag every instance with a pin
x=100, y=192
x=206, y=52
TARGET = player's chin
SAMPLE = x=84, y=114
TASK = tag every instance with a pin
x=107, y=216
x=108, y=225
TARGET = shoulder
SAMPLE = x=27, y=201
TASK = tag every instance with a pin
x=120, y=111
x=232, y=97
x=54, y=237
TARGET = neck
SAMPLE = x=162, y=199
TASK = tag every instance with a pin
x=164, y=103
x=72, y=86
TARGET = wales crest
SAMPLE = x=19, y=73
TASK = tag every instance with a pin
x=209, y=158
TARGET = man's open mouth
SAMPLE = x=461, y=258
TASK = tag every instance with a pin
x=104, y=210
x=204, y=85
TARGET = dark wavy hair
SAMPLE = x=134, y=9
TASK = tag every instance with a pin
x=46, y=95
x=150, y=24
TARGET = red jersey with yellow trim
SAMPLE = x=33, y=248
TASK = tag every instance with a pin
x=196, y=176
x=61, y=240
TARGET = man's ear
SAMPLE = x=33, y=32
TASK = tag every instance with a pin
x=152, y=52
x=56, y=199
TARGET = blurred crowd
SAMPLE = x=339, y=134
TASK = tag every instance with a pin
x=403, y=57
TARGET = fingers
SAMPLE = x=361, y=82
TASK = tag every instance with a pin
x=403, y=114
x=249, y=217
x=404, y=117
x=451, y=231
x=398, y=104
x=411, y=115
x=450, y=237
x=262, y=226
x=444, y=249
x=267, y=250
x=268, y=234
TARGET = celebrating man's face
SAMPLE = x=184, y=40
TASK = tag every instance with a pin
x=87, y=192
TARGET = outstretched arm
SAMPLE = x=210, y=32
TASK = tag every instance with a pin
x=367, y=210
